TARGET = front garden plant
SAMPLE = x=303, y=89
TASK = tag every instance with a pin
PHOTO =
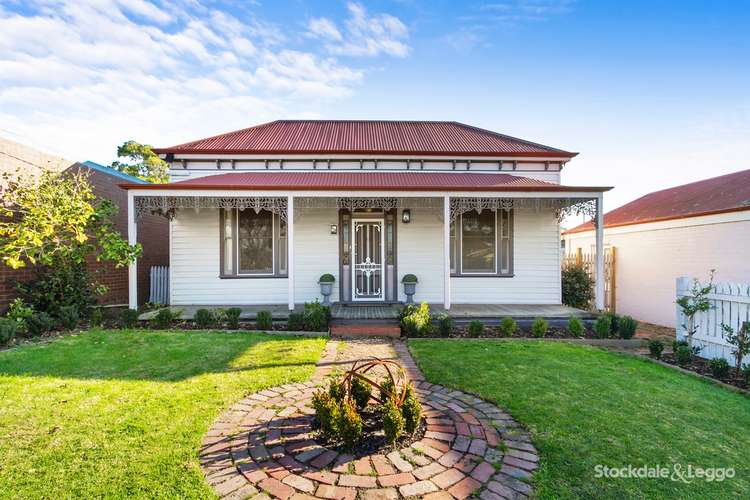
x=358, y=412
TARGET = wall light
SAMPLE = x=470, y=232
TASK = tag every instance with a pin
x=334, y=229
x=406, y=216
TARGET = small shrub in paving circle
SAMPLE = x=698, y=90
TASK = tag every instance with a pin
x=656, y=347
x=603, y=326
x=129, y=318
x=361, y=392
x=393, y=421
x=349, y=424
x=445, y=325
x=164, y=318
x=263, y=320
x=508, y=327
x=684, y=355
x=627, y=327
x=69, y=317
x=411, y=410
x=233, y=317
x=719, y=368
x=39, y=323
x=204, y=318
x=575, y=326
x=539, y=328
x=476, y=328
x=326, y=412
x=8, y=328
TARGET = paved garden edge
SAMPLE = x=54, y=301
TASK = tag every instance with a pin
x=264, y=446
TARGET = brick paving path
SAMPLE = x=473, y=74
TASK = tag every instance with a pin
x=264, y=446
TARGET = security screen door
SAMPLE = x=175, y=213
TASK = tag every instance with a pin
x=367, y=271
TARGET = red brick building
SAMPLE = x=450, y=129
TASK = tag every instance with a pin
x=152, y=230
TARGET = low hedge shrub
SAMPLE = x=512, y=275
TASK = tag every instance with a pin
x=656, y=347
x=8, y=328
x=627, y=327
x=129, y=318
x=575, y=326
x=39, y=323
x=476, y=328
x=232, y=316
x=204, y=318
x=539, y=328
x=719, y=368
x=508, y=327
x=263, y=320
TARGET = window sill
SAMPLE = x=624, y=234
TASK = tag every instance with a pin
x=251, y=277
x=483, y=275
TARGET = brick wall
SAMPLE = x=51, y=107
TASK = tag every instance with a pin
x=152, y=234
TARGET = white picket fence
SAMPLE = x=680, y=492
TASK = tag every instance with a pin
x=159, y=290
x=730, y=305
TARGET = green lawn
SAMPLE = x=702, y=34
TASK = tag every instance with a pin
x=585, y=406
x=122, y=413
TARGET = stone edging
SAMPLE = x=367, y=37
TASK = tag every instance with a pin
x=264, y=446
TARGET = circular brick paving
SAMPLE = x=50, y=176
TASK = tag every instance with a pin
x=264, y=446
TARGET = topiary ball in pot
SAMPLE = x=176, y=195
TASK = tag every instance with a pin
x=410, y=287
x=326, y=287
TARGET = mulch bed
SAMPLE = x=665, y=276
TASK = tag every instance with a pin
x=494, y=332
x=701, y=366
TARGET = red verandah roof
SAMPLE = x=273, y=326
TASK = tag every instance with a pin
x=366, y=137
x=727, y=193
x=365, y=181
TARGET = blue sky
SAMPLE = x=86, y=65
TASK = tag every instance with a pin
x=652, y=94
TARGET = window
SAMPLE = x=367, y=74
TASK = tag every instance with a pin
x=253, y=243
x=481, y=244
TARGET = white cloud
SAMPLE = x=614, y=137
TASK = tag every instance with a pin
x=80, y=77
x=365, y=35
x=324, y=28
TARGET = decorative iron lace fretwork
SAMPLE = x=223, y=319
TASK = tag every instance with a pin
x=167, y=205
x=561, y=206
x=585, y=207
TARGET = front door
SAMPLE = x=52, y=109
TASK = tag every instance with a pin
x=367, y=271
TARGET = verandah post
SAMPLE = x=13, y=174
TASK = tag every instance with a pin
x=600, y=252
x=290, y=249
x=133, y=266
x=446, y=252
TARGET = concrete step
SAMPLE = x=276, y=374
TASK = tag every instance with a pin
x=366, y=330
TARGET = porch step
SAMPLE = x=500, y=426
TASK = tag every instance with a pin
x=365, y=329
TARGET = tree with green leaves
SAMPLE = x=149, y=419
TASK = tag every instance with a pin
x=141, y=161
x=56, y=224
x=694, y=301
x=740, y=341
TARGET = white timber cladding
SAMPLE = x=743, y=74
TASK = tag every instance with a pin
x=195, y=267
x=195, y=261
x=195, y=165
x=536, y=267
x=420, y=252
x=651, y=256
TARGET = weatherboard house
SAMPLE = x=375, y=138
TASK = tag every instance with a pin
x=259, y=214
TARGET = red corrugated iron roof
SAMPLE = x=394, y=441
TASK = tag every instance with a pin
x=727, y=193
x=366, y=181
x=366, y=137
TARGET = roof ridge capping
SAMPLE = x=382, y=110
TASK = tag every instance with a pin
x=384, y=137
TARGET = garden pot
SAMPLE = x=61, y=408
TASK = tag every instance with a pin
x=409, y=290
x=326, y=289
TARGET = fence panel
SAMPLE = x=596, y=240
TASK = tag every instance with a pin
x=159, y=293
x=730, y=305
x=588, y=261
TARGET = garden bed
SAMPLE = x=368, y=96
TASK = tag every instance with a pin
x=373, y=438
x=702, y=366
